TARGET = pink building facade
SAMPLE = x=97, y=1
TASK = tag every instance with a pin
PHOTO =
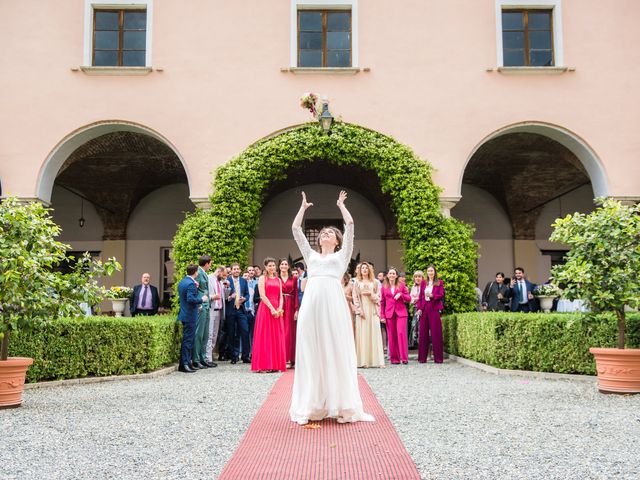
x=118, y=112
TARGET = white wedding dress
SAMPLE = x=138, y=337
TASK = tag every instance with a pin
x=326, y=377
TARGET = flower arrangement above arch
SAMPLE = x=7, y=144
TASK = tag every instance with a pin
x=226, y=232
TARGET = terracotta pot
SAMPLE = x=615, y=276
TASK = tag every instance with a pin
x=12, y=375
x=618, y=369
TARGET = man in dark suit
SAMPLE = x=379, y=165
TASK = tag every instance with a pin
x=144, y=299
x=237, y=318
x=521, y=292
x=189, y=307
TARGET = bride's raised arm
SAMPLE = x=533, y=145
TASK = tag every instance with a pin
x=296, y=228
x=347, y=240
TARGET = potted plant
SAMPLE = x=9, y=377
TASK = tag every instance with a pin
x=545, y=294
x=31, y=290
x=119, y=297
x=603, y=268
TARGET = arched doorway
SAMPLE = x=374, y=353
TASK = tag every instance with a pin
x=515, y=184
x=351, y=153
x=119, y=189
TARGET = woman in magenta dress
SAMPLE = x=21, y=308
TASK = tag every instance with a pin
x=429, y=306
x=268, y=353
x=393, y=312
x=290, y=306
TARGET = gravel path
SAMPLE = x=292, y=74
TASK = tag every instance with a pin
x=456, y=422
x=459, y=422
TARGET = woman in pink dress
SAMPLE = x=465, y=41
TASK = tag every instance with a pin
x=429, y=306
x=268, y=338
x=393, y=312
x=290, y=306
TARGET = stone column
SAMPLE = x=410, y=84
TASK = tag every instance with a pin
x=447, y=203
x=202, y=203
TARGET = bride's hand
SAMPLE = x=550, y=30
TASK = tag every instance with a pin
x=341, y=198
x=305, y=204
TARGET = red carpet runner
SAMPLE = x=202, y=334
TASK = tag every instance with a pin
x=275, y=448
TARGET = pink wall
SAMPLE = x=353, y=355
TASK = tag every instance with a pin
x=222, y=88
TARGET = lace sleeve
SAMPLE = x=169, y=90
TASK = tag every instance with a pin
x=303, y=243
x=347, y=244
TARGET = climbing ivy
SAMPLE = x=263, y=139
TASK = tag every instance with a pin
x=226, y=231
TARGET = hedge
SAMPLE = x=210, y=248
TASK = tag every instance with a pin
x=226, y=232
x=554, y=342
x=98, y=346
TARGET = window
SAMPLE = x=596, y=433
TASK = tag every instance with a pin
x=324, y=38
x=527, y=38
x=119, y=38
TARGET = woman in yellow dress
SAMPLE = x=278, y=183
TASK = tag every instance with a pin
x=366, y=298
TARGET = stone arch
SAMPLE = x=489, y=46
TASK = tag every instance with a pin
x=58, y=155
x=570, y=140
x=227, y=230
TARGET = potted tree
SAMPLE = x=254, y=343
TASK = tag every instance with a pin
x=603, y=268
x=31, y=290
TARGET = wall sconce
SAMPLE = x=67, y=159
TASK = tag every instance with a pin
x=81, y=220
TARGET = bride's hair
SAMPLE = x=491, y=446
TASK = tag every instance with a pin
x=338, y=233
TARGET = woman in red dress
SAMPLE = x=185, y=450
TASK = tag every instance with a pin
x=290, y=306
x=268, y=353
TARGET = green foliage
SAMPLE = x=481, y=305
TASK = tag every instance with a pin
x=226, y=231
x=603, y=265
x=31, y=291
x=543, y=342
x=98, y=346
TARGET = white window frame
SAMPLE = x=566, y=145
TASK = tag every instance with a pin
x=351, y=5
x=556, y=18
x=91, y=5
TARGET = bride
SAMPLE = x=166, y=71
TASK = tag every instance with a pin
x=326, y=380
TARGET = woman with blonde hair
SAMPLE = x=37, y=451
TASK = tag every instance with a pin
x=366, y=298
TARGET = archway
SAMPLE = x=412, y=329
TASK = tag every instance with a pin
x=118, y=189
x=516, y=182
x=241, y=186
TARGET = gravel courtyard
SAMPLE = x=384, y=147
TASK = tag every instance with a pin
x=457, y=423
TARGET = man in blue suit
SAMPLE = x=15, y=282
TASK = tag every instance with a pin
x=521, y=292
x=189, y=306
x=237, y=318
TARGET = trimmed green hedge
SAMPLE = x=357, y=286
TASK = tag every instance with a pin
x=98, y=346
x=554, y=342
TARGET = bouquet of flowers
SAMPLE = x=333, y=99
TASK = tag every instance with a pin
x=547, y=290
x=115, y=293
x=308, y=101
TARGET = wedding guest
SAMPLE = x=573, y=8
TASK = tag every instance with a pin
x=202, y=329
x=188, y=315
x=269, y=352
x=224, y=348
x=521, y=292
x=383, y=326
x=251, y=304
x=237, y=320
x=290, y=307
x=257, y=271
x=144, y=298
x=495, y=296
x=347, y=286
x=302, y=275
x=418, y=276
x=366, y=299
x=216, y=310
x=393, y=312
x=429, y=306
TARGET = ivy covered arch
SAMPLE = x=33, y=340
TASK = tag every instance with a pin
x=227, y=230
